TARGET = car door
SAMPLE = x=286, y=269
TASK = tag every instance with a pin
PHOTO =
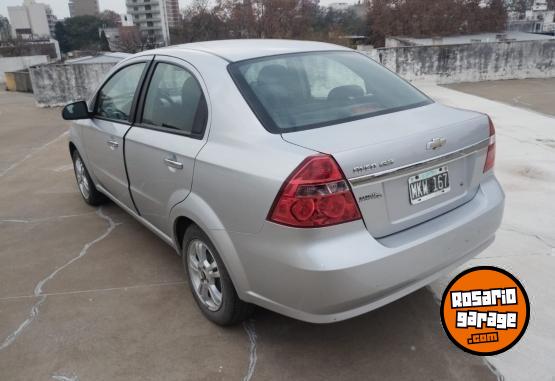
x=104, y=132
x=161, y=147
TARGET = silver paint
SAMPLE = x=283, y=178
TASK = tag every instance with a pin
x=232, y=175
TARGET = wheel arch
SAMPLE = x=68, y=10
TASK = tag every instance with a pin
x=72, y=148
x=194, y=210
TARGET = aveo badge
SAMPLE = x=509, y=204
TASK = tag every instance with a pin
x=485, y=310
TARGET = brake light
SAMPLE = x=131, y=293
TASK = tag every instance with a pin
x=316, y=194
x=490, y=158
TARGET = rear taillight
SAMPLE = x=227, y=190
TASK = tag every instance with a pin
x=490, y=158
x=316, y=194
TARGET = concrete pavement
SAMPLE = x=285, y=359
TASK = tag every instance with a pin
x=525, y=244
x=534, y=94
x=89, y=294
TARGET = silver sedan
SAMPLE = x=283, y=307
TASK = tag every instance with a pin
x=302, y=177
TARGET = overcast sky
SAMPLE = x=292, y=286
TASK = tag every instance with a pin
x=61, y=10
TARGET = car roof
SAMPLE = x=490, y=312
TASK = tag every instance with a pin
x=238, y=50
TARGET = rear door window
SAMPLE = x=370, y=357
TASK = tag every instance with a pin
x=175, y=101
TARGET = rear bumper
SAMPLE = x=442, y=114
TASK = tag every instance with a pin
x=336, y=273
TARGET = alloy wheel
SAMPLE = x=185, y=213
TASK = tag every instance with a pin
x=204, y=274
x=82, y=179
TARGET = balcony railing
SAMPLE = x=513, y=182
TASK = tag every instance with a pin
x=141, y=2
x=141, y=11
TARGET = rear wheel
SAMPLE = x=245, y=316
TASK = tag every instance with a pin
x=209, y=280
x=86, y=187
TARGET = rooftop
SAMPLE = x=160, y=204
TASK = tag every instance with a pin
x=100, y=58
x=470, y=38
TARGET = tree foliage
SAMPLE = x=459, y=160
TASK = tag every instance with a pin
x=305, y=19
x=109, y=19
x=104, y=44
x=295, y=19
x=61, y=35
x=80, y=33
x=429, y=18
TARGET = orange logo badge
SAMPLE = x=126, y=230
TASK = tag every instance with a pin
x=485, y=310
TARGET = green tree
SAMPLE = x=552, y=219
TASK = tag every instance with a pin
x=104, y=44
x=61, y=36
x=5, y=29
x=109, y=19
x=82, y=32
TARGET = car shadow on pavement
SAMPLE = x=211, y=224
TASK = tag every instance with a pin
x=403, y=340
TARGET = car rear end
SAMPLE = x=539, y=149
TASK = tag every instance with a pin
x=397, y=191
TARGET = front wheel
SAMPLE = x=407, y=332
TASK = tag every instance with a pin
x=209, y=280
x=86, y=187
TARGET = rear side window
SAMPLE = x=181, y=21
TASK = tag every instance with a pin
x=175, y=101
x=115, y=99
x=294, y=92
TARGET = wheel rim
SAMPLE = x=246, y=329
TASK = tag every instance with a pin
x=82, y=179
x=204, y=274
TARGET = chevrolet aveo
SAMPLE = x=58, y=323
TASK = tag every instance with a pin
x=302, y=177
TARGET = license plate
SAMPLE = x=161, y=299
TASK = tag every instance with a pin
x=427, y=185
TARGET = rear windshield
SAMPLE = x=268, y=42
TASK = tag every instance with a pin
x=294, y=92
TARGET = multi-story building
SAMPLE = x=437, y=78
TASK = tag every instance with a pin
x=339, y=7
x=31, y=20
x=174, y=15
x=538, y=19
x=52, y=20
x=83, y=7
x=151, y=18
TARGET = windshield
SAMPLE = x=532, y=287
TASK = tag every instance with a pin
x=294, y=92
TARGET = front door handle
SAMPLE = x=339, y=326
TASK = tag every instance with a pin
x=112, y=144
x=173, y=163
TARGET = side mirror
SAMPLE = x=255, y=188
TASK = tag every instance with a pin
x=76, y=110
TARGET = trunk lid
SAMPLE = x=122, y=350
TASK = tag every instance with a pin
x=381, y=155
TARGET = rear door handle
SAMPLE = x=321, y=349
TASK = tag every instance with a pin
x=113, y=144
x=172, y=163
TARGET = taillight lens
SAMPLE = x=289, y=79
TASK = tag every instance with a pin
x=316, y=194
x=490, y=158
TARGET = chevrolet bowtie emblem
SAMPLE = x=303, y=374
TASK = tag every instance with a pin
x=436, y=143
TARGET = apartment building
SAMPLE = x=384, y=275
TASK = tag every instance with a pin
x=151, y=18
x=32, y=20
x=174, y=15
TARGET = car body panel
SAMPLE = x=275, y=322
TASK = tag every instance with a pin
x=387, y=142
x=155, y=185
x=104, y=146
x=336, y=273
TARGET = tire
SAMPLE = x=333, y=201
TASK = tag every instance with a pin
x=84, y=182
x=206, y=287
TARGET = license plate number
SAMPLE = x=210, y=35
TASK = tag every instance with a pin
x=427, y=185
